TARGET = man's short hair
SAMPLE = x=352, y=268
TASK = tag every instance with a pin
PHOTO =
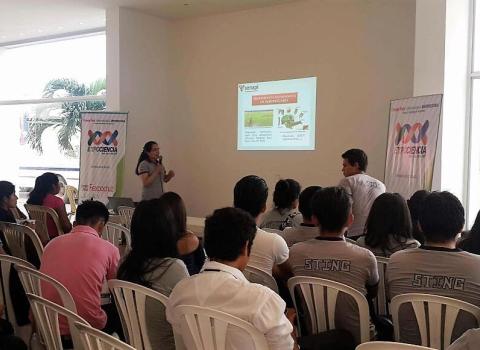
x=358, y=156
x=441, y=217
x=331, y=206
x=91, y=212
x=227, y=231
x=305, y=201
x=250, y=194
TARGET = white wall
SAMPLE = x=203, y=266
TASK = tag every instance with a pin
x=362, y=53
x=138, y=62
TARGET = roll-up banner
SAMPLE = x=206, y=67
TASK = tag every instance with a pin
x=412, y=143
x=102, y=155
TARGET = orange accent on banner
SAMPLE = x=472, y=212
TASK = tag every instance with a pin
x=273, y=99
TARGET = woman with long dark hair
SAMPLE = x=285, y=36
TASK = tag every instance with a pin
x=47, y=186
x=8, y=201
x=153, y=262
x=285, y=200
x=471, y=243
x=151, y=171
x=388, y=227
x=189, y=246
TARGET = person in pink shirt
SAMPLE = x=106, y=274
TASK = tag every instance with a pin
x=44, y=193
x=82, y=261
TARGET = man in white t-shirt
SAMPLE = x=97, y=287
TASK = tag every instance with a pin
x=362, y=188
x=221, y=285
x=269, y=251
x=437, y=267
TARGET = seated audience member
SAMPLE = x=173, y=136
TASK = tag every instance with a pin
x=229, y=234
x=190, y=249
x=81, y=261
x=8, y=201
x=468, y=341
x=285, y=199
x=44, y=193
x=307, y=228
x=388, y=227
x=152, y=262
x=362, y=188
x=269, y=250
x=414, y=205
x=330, y=257
x=471, y=241
x=437, y=267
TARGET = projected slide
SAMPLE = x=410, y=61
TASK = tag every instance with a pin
x=277, y=115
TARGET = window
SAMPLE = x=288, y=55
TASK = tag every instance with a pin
x=43, y=88
x=474, y=138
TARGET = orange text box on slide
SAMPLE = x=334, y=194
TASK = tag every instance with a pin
x=273, y=99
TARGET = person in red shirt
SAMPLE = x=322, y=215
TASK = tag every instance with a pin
x=47, y=186
x=82, y=261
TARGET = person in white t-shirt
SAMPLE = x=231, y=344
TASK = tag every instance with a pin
x=362, y=188
x=269, y=251
x=221, y=285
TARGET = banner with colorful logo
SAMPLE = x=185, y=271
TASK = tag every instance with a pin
x=102, y=155
x=412, y=143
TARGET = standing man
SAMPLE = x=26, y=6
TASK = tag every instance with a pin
x=362, y=188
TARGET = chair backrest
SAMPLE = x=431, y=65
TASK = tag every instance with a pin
x=384, y=345
x=118, y=235
x=6, y=262
x=72, y=195
x=432, y=325
x=131, y=299
x=46, y=316
x=94, y=339
x=255, y=275
x=40, y=213
x=31, y=281
x=206, y=329
x=15, y=238
x=380, y=303
x=320, y=296
x=126, y=214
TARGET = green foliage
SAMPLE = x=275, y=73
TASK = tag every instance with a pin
x=66, y=122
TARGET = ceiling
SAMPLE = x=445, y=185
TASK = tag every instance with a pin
x=21, y=20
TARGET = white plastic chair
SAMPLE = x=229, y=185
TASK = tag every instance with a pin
x=131, y=299
x=31, y=280
x=118, y=235
x=126, y=214
x=206, y=329
x=314, y=290
x=15, y=238
x=94, y=339
x=436, y=324
x=46, y=316
x=6, y=262
x=255, y=275
x=380, y=303
x=40, y=213
x=384, y=345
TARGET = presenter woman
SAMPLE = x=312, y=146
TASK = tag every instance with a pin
x=151, y=171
